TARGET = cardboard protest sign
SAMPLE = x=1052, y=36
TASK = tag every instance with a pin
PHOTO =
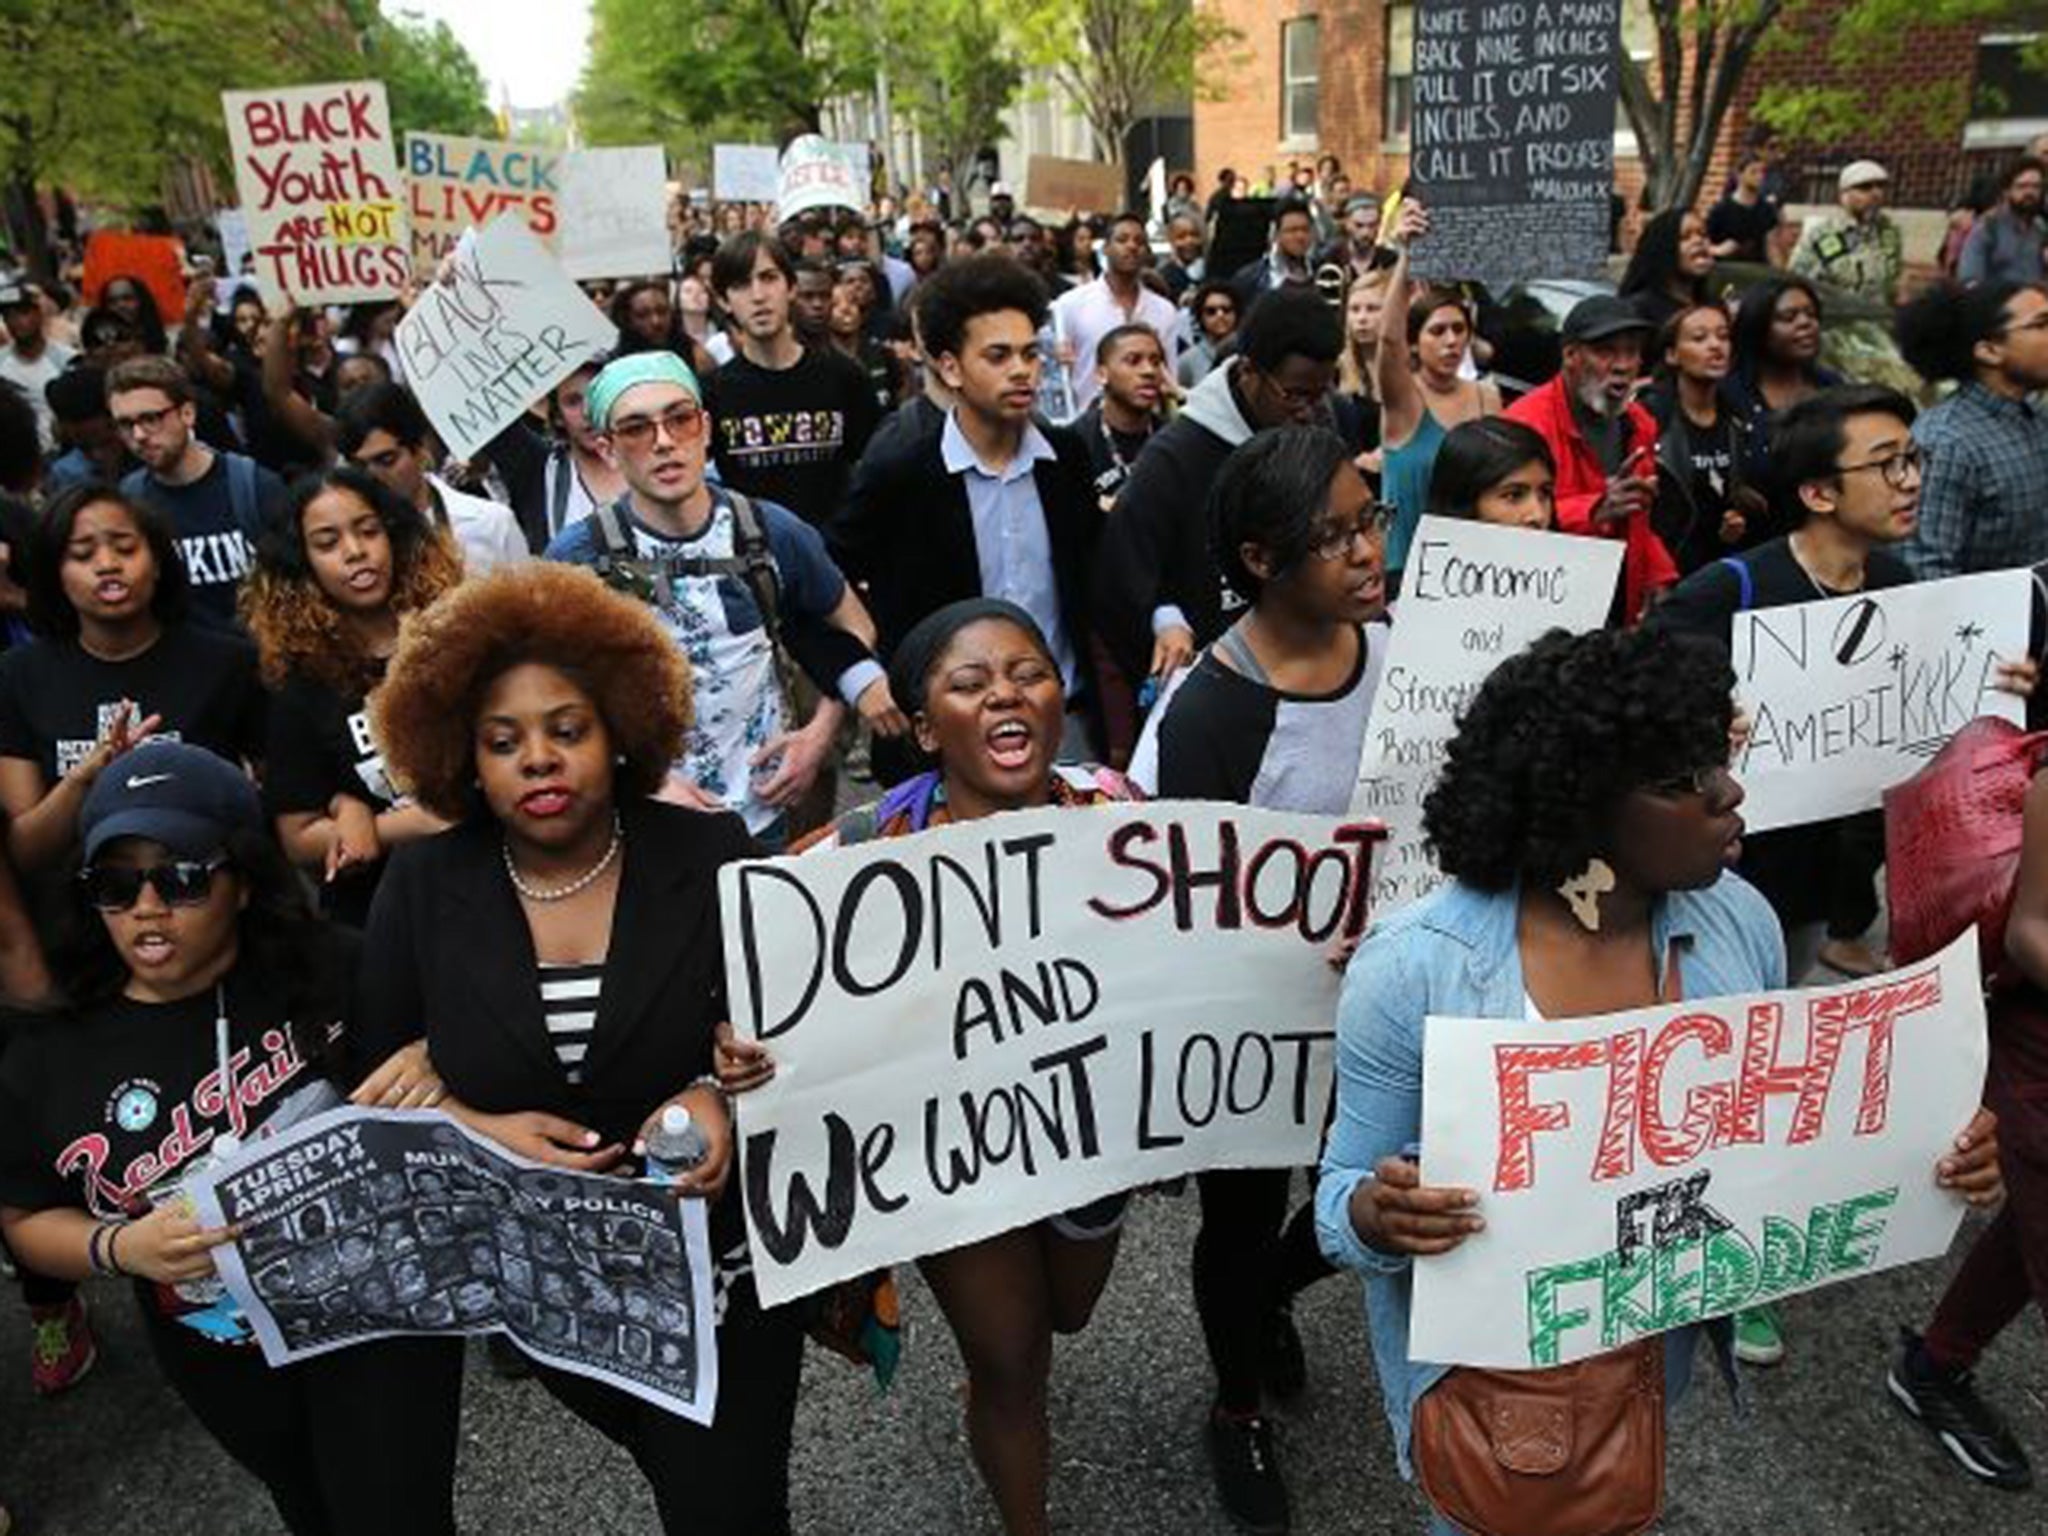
x=1473, y=595
x=365, y=1223
x=1513, y=136
x=746, y=173
x=815, y=175
x=318, y=178
x=1850, y=696
x=1085, y=185
x=155, y=261
x=455, y=184
x=234, y=241
x=615, y=213
x=999, y=1019
x=1661, y=1167
x=501, y=330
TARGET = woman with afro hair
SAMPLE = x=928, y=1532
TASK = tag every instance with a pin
x=332, y=581
x=1585, y=817
x=559, y=952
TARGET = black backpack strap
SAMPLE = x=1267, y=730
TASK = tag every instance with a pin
x=757, y=563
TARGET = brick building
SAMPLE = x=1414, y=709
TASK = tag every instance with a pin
x=1311, y=77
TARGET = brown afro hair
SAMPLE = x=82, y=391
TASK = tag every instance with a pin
x=424, y=716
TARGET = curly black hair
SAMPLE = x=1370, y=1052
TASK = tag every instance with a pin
x=976, y=285
x=1559, y=736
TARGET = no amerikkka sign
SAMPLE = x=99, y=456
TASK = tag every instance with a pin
x=1650, y=1169
x=994, y=1021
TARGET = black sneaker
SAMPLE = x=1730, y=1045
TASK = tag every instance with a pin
x=1968, y=1428
x=1286, y=1369
x=1248, y=1481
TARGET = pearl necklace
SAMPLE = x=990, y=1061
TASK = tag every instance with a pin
x=582, y=882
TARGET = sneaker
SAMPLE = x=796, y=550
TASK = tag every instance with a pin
x=1286, y=1370
x=1969, y=1428
x=1248, y=1481
x=61, y=1346
x=1758, y=1339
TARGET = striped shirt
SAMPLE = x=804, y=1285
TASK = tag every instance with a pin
x=568, y=1002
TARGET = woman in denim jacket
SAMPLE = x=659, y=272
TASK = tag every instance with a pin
x=1585, y=816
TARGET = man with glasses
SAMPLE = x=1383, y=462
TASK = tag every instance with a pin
x=1215, y=315
x=219, y=503
x=736, y=583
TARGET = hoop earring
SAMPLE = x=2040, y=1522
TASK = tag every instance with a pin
x=1583, y=891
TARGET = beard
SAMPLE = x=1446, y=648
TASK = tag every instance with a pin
x=1593, y=396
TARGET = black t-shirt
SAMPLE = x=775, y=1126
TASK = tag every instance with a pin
x=319, y=747
x=1690, y=526
x=1748, y=225
x=1110, y=453
x=791, y=436
x=56, y=699
x=212, y=542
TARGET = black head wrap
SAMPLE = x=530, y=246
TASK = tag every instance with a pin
x=910, y=667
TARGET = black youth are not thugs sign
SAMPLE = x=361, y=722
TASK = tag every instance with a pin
x=1513, y=136
x=990, y=1022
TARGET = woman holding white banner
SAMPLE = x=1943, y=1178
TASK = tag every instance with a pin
x=983, y=693
x=1586, y=817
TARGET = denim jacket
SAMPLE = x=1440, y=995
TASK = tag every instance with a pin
x=1455, y=953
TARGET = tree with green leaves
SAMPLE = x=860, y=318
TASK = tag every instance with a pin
x=430, y=79
x=953, y=73
x=1115, y=58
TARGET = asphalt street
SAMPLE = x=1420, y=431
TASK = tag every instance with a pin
x=1822, y=1449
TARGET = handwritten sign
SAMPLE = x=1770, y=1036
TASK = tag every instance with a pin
x=155, y=261
x=362, y=1224
x=318, y=179
x=1001, y=1019
x=1085, y=185
x=746, y=173
x=1656, y=1168
x=814, y=174
x=1853, y=695
x=1473, y=595
x=615, y=213
x=1513, y=136
x=455, y=184
x=501, y=330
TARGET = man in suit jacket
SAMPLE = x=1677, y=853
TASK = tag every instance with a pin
x=983, y=501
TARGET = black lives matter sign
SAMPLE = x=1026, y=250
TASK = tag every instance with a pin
x=1513, y=136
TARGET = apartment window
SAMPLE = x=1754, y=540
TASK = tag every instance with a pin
x=2012, y=87
x=1398, y=98
x=1300, y=82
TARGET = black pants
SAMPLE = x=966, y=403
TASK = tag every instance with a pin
x=360, y=1442
x=728, y=1478
x=1250, y=1260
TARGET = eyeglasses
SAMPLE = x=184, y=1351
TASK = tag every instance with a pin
x=181, y=883
x=144, y=421
x=678, y=421
x=1335, y=542
x=1218, y=309
x=1706, y=782
x=1899, y=469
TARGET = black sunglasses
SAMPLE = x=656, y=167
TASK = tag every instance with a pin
x=181, y=883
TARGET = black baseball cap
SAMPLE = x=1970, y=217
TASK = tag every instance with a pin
x=1602, y=316
x=181, y=796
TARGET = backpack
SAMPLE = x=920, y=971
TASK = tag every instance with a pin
x=244, y=504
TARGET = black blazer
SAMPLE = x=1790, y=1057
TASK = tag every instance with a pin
x=448, y=954
x=907, y=531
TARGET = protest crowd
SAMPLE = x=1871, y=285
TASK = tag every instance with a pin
x=392, y=698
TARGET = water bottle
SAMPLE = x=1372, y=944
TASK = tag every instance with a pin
x=675, y=1146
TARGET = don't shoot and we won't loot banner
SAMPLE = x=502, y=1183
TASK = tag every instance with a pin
x=991, y=1022
x=1660, y=1167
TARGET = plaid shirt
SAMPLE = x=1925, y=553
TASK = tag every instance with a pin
x=1984, y=502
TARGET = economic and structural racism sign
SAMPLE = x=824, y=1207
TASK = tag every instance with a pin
x=499, y=331
x=1000, y=1019
x=365, y=1223
x=1656, y=1168
x=1473, y=595
x=600, y=212
x=1513, y=136
x=1850, y=696
x=318, y=178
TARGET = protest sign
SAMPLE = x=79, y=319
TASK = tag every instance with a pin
x=859, y=159
x=501, y=330
x=234, y=241
x=746, y=173
x=1850, y=696
x=1084, y=185
x=615, y=213
x=318, y=177
x=1473, y=595
x=815, y=175
x=1000, y=1019
x=155, y=261
x=454, y=184
x=365, y=1223
x=1665, y=1166
x=1513, y=135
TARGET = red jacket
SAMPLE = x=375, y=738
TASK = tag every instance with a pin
x=1646, y=565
